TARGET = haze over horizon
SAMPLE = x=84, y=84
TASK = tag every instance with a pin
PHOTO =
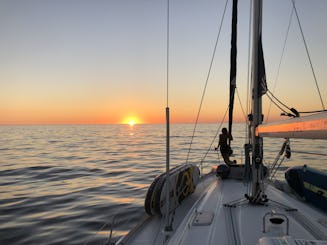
x=104, y=62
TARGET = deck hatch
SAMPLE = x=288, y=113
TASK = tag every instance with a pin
x=203, y=218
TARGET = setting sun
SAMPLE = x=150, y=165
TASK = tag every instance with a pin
x=131, y=121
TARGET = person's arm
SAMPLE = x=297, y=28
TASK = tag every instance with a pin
x=216, y=148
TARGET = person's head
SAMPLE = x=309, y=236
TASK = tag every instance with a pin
x=224, y=130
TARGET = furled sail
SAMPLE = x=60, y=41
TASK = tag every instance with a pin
x=232, y=78
x=261, y=70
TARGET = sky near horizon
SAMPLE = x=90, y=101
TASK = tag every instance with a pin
x=98, y=61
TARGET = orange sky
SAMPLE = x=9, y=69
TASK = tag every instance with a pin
x=68, y=63
x=69, y=115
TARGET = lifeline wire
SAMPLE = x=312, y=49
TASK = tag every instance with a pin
x=207, y=80
x=310, y=153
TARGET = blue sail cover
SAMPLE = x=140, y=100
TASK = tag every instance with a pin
x=309, y=184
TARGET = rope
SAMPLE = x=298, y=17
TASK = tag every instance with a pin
x=275, y=169
x=307, y=50
x=275, y=103
x=280, y=102
x=206, y=83
x=294, y=113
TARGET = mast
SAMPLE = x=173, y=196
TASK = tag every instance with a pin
x=258, y=89
x=232, y=77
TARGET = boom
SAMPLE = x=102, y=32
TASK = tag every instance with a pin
x=307, y=127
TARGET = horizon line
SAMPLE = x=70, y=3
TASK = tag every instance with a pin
x=126, y=124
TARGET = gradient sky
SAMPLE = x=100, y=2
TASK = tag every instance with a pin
x=104, y=61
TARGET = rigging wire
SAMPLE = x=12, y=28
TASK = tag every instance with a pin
x=220, y=125
x=308, y=54
x=245, y=119
x=207, y=80
x=281, y=58
x=272, y=96
x=239, y=100
x=214, y=138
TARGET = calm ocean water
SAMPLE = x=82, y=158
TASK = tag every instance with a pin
x=68, y=184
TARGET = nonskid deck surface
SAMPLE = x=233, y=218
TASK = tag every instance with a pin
x=217, y=213
x=150, y=230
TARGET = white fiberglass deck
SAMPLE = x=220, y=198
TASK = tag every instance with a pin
x=204, y=219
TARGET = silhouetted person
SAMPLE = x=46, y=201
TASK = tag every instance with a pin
x=225, y=149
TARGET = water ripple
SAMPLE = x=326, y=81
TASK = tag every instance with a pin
x=62, y=184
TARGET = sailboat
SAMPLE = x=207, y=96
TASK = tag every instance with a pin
x=217, y=208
